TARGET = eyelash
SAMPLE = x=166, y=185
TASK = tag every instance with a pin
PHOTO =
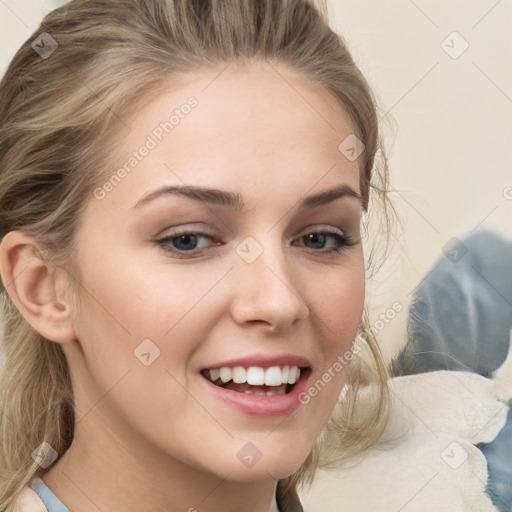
x=164, y=243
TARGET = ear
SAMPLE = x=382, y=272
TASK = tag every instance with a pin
x=34, y=287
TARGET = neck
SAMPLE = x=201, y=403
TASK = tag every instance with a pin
x=110, y=472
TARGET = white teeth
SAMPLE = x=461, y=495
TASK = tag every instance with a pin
x=284, y=374
x=226, y=374
x=239, y=375
x=294, y=375
x=273, y=376
x=256, y=375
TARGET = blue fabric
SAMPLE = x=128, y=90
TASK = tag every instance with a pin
x=460, y=318
x=51, y=502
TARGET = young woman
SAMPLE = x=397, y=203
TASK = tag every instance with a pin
x=183, y=190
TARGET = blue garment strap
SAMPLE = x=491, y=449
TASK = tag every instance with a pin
x=51, y=502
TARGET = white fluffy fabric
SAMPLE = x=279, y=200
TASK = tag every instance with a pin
x=432, y=465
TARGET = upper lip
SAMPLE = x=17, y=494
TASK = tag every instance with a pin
x=265, y=361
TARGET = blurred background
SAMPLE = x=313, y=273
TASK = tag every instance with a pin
x=443, y=72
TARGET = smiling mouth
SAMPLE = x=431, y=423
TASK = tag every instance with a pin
x=275, y=380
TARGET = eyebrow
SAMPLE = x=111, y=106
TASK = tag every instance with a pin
x=235, y=201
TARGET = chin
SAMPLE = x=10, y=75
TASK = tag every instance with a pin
x=268, y=468
x=263, y=473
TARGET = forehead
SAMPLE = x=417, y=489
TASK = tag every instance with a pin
x=239, y=126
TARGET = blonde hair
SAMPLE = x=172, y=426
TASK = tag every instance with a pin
x=58, y=115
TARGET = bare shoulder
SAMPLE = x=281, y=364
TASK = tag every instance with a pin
x=28, y=501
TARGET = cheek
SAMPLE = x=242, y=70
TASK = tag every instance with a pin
x=132, y=297
x=129, y=302
x=338, y=305
x=337, y=314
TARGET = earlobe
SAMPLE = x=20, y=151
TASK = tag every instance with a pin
x=31, y=284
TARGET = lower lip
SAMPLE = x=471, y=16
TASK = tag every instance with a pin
x=261, y=405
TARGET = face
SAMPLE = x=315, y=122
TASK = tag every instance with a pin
x=172, y=285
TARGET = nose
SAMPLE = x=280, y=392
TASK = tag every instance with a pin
x=266, y=292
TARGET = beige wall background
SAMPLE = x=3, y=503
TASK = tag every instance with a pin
x=452, y=154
